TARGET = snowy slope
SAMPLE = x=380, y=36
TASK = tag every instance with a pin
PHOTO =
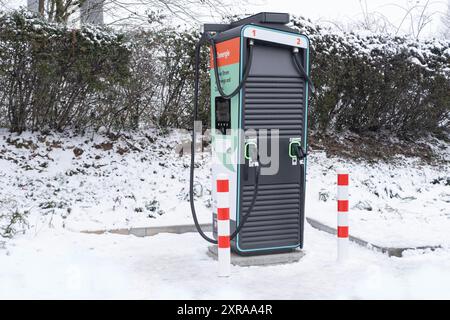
x=97, y=182
x=109, y=185
x=403, y=203
x=66, y=183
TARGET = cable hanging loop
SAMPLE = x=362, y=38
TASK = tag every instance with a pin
x=297, y=63
x=195, y=116
x=216, y=69
x=208, y=38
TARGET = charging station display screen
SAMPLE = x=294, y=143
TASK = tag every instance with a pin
x=223, y=114
x=223, y=111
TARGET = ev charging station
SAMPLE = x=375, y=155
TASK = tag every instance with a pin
x=259, y=71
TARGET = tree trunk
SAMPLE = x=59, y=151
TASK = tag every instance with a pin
x=41, y=7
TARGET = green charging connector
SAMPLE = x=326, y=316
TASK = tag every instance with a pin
x=247, y=149
x=291, y=148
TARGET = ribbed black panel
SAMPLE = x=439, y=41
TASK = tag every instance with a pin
x=273, y=98
x=273, y=102
x=275, y=219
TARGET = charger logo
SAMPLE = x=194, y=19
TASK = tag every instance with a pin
x=227, y=52
x=223, y=55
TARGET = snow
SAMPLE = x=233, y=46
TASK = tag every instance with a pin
x=399, y=204
x=403, y=203
x=137, y=180
x=100, y=189
x=430, y=54
x=22, y=19
x=69, y=265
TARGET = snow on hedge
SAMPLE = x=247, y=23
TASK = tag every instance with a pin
x=431, y=54
x=26, y=23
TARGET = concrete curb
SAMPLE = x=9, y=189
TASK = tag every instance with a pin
x=390, y=251
x=207, y=227
x=152, y=231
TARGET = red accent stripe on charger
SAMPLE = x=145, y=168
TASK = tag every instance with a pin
x=223, y=242
x=342, y=232
x=342, y=205
x=223, y=186
x=223, y=213
x=342, y=179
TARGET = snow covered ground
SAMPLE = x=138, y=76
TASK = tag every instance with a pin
x=403, y=203
x=63, y=184
x=139, y=181
x=69, y=265
x=110, y=184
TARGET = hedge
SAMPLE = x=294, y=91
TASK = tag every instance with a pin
x=52, y=76
x=55, y=77
x=372, y=83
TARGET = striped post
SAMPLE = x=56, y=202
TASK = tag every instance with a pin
x=342, y=214
x=223, y=224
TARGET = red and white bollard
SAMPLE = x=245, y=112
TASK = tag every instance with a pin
x=342, y=214
x=223, y=224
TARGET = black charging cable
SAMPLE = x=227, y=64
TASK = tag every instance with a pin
x=216, y=69
x=301, y=70
x=254, y=196
x=198, y=46
x=203, y=39
x=299, y=152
